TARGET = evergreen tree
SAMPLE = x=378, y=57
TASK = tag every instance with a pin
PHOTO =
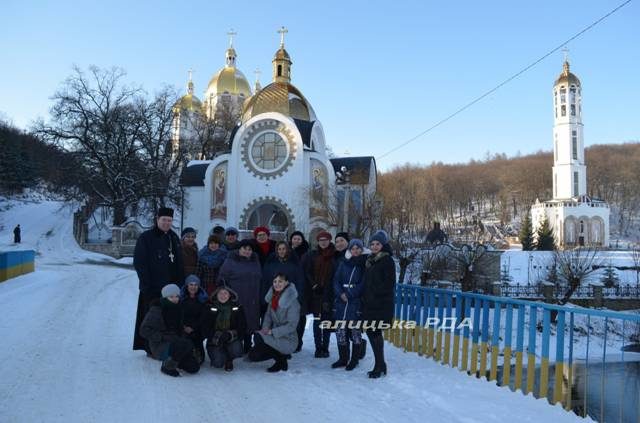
x=610, y=278
x=545, y=241
x=526, y=233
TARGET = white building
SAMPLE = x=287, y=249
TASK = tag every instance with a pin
x=277, y=172
x=576, y=218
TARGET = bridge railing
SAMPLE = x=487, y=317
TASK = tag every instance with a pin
x=16, y=263
x=517, y=343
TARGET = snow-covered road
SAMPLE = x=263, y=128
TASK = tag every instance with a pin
x=66, y=333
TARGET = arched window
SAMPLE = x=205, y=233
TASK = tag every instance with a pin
x=563, y=95
x=574, y=144
x=279, y=70
x=563, y=110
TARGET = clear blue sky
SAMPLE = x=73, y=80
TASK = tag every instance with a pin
x=377, y=73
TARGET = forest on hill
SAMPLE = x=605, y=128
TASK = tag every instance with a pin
x=502, y=189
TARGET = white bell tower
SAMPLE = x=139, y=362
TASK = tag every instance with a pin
x=569, y=170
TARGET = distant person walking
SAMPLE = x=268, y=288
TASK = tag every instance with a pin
x=158, y=261
x=16, y=235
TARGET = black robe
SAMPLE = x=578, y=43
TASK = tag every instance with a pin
x=155, y=267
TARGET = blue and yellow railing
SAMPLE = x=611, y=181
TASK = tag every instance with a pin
x=16, y=263
x=497, y=338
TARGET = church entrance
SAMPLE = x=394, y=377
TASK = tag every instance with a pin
x=271, y=216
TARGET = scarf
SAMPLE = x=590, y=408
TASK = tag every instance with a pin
x=223, y=319
x=275, y=299
x=172, y=315
x=323, y=265
x=373, y=258
x=264, y=247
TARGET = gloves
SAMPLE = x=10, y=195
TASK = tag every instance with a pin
x=215, y=339
x=225, y=337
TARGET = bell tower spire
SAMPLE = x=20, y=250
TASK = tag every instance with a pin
x=282, y=61
x=231, y=55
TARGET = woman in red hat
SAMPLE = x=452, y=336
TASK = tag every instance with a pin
x=262, y=245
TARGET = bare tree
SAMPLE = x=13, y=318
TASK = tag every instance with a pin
x=434, y=262
x=94, y=117
x=635, y=256
x=575, y=267
x=468, y=258
x=209, y=137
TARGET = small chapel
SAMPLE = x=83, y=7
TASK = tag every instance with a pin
x=575, y=218
x=276, y=171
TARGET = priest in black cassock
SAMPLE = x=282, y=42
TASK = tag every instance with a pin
x=158, y=262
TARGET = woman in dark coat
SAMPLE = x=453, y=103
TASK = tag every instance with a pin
x=163, y=327
x=189, y=251
x=210, y=259
x=193, y=299
x=378, y=296
x=278, y=338
x=223, y=325
x=262, y=245
x=241, y=272
x=348, y=285
x=298, y=244
x=319, y=266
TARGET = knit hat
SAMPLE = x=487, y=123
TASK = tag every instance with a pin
x=355, y=242
x=169, y=290
x=217, y=230
x=344, y=235
x=192, y=279
x=380, y=236
x=233, y=295
x=259, y=229
x=246, y=243
x=165, y=211
x=231, y=231
x=323, y=235
x=186, y=231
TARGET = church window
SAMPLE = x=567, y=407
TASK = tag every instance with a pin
x=555, y=97
x=269, y=151
x=582, y=226
x=563, y=110
x=575, y=184
x=563, y=95
x=572, y=94
x=574, y=144
x=279, y=70
x=573, y=110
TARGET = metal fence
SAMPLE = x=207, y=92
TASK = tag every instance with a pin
x=536, y=291
x=562, y=353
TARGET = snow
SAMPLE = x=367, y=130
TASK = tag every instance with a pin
x=67, y=330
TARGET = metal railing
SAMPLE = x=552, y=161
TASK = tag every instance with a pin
x=553, y=351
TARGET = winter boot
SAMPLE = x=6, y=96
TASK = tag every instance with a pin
x=380, y=367
x=343, y=356
x=280, y=364
x=169, y=367
x=363, y=348
x=318, y=353
x=355, y=356
x=228, y=366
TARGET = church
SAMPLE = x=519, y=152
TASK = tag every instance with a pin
x=576, y=218
x=276, y=171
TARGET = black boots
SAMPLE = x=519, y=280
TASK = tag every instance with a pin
x=228, y=366
x=363, y=348
x=343, y=357
x=280, y=364
x=356, y=353
x=170, y=367
x=377, y=345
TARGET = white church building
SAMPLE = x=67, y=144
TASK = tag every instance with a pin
x=576, y=218
x=277, y=172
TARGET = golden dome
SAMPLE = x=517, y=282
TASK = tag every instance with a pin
x=189, y=102
x=567, y=77
x=229, y=80
x=280, y=97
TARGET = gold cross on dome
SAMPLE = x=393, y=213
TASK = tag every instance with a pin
x=190, y=74
x=282, y=31
x=231, y=34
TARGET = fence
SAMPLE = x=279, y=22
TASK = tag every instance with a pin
x=16, y=263
x=517, y=343
x=587, y=291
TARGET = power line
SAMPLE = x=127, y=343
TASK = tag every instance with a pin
x=506, y=81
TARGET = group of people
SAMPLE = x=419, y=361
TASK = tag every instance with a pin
x=252, y=296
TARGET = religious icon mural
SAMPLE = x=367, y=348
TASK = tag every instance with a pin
x=219, y=209
x=318, y=206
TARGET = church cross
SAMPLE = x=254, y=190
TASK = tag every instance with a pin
x=231, y=34
x=565, y=51
x=257, y=72
x=282, y=31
